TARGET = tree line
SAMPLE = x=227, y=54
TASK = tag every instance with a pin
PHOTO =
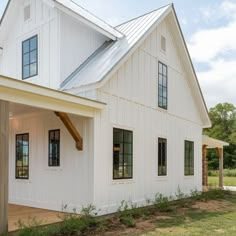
x=223, y=118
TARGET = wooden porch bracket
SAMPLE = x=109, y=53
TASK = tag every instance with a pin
x=72, y=130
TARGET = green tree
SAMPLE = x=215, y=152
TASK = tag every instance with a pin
x=223, y=118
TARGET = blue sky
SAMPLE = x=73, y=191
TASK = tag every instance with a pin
x=209, y=27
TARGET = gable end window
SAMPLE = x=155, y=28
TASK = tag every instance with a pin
x=162, y=157
x=162, y=86
x=30, y=57
x=189, y=158
x=54, y=148
x=22, y=156
x=122, y=154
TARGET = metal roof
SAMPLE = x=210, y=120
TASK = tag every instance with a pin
x=86, y=15
x=110, y=54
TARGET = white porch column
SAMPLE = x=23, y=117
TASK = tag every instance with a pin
x=4, y=146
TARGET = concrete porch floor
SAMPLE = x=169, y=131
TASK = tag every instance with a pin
x=43, y=217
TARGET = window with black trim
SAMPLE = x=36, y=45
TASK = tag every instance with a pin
x=30, y=57
x=54, y=148
x=189, y=158
x=122, y=154
x=22, y=156
x=162, y=157
x=162, y=86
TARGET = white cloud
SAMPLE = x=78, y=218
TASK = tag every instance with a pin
x=210, y=46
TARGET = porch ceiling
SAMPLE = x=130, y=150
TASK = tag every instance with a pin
x=35, y=96
x=213, y=143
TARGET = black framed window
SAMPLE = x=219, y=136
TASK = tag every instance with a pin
x=189, y=158
x=30, y=57
x=162, y=157
x=162, y=86
x=122, y=154
x=54, y=148
x=22, y=156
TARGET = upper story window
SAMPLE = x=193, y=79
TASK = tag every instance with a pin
x=162, y=86
x=22, y=156
x=54, y=148
x=162, y=157
x=30, y=57
x=122, y=154
x=189, y=158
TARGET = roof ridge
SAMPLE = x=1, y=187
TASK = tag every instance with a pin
x=135, y=18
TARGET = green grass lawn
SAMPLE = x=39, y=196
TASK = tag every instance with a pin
x=208, y=221
x=228, y=181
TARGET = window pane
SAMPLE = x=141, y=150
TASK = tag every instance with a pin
x=26, y=59
x=160, y=68
x=164, y=103
x=160, y=80
x=26, y=46
x=33, y=43
x=160, y=93
x=33, y=56
x=127, y=171
x=33, y=69
x=164, y=80
x=127, y=137
x=118, y=172
x=26, y=72
x=128, y=160
x=127, y=148
x=118, y=136
x=160, y=101
x=164, y=70
x=164, y=93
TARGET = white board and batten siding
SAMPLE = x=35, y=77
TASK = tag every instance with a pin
x=78, y=42
x=70, y=184
x=43, y=22
x=63, y=43
x=131, y=95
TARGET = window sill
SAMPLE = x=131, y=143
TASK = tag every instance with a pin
x=54, y=169
x=162, y=178
x=189, y=177
x=123, y=181
x=23, y=181
x=162, y=110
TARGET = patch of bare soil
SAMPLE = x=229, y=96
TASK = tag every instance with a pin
x=146, y=225
x=212, y=206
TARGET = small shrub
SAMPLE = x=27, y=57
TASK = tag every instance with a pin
x=195, y=194
x=127, y=220
x=161, y=202
x=89, y=211
x=179, y=194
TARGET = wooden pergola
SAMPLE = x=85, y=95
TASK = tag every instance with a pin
x=211, y=143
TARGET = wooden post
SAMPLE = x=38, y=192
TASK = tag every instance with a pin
x=221, y=166
x=204, y=166
x=4, y=149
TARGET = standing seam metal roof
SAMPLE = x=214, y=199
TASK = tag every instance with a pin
x=103, y=61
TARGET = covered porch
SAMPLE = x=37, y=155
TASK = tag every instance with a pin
x=25, y=214
x=19, y=98
x=218, y=145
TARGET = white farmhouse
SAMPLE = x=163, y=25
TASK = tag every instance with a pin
x=97, y=114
